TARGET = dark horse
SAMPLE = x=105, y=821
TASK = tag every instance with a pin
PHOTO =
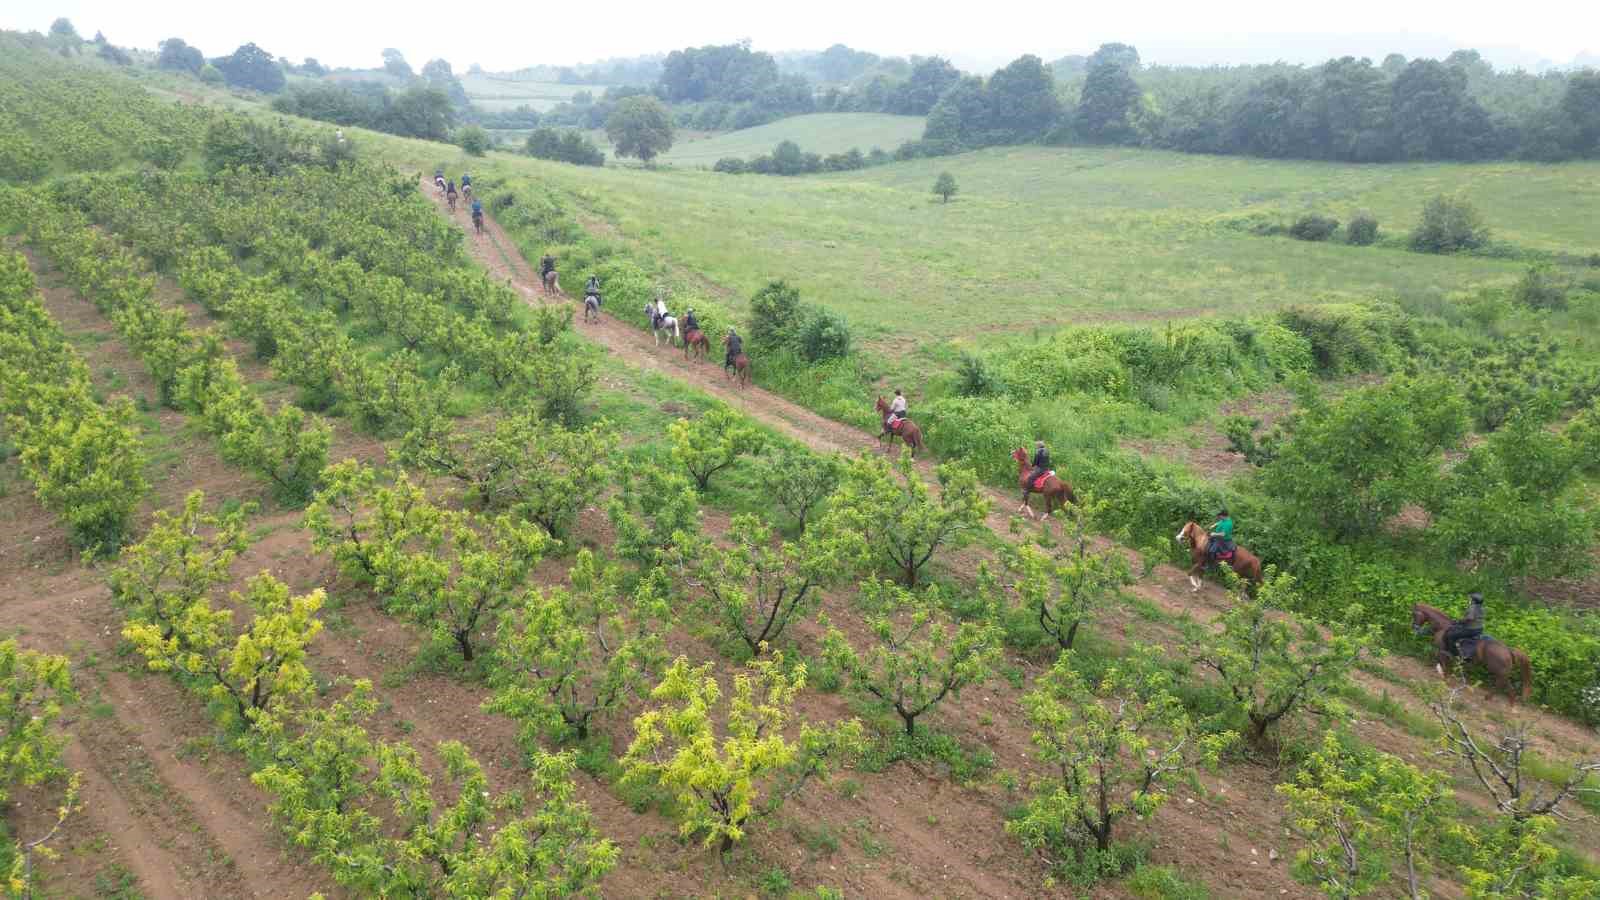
x=908, y=432
x=1056, y=492
x=741, y=366
x=1244, y=563
x=1501, y=661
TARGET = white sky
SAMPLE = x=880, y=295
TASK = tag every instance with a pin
x=502, y=35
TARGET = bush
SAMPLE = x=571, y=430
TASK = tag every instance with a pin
x=974, y=378
x=564, y=145
x=981, y=432
x=474, y=140
x=1541, y=287
x=732, y=165
x=1313, y=227
x=1362, y=230
x=775, y=316
x=1449, y=225
x=823, y=335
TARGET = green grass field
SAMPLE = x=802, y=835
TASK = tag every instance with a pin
x=820, y=133
x=497, y=94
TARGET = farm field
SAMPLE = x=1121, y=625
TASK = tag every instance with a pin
x=498, y=94
x=230, y=330
x=821, y=133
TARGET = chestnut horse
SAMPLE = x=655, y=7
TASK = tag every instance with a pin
x=741, y=366
x=1245, y=564
x=909, y=432
x=1501, y=661
x=1056, y=493
x=696, y=340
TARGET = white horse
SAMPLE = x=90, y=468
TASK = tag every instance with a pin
x=660, y=321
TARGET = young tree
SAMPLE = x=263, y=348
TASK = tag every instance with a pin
x=753, y=589
x=799, y=480
x=474, y=140
x=1448, y=225
x=655, y=514
x=641, y=127
x=896, y=514
x=945, y=186
x=1065, y=581
x=719, y=775
x=1272, y=665
x=1109, y=99
x=711, y=442
x=1355, y=809
x=1497, y=765
x=33, y=688
x=570, y=655
x=355, y=519
x=178, y=564
x=1110, y=745
x=921, y=656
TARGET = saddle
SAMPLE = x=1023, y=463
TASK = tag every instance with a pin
x=895, y=427
x=1221, y=551
x=1038, y=483
x=1467, y=648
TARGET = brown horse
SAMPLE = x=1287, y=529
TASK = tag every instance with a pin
x=741, y=366
x=1501, y=661
x=909, y=432
x=1056, y=493
x=697, y=341
x=552, y=284
x=1245, y=564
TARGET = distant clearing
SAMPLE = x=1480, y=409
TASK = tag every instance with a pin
x=820, y=133
x=499, y=94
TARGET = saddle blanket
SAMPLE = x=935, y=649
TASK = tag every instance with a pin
x=1038, y=483
x=1467, y=648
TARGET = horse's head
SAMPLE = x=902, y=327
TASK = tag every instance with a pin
x=1184, y=535
x=1020, y=454
x=880, y=405
x=1420, y=620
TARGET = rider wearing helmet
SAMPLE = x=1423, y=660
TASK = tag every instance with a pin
x=1469, y=627
x=690, y=323
x=592, y=289
x=735, y=347
x=477, y=210
x=1221, y=534
x=1041, y=462
x=547, y=265
x=466, y=180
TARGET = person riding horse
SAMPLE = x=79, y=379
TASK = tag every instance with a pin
x=897, y=411
x=1041, y=463
x=735, y=346
x=1469, y=627
x=477, y=213
x=1221, y=536
x=466, y=181
x=690, y=323
x=546, y=266
x=592, y=288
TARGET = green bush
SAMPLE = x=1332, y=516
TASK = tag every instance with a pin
x=775, y=316
x=974, y=378
x=823, y=335
x=981, y=432
x=1541, y=287
x=732, y=165
x=1362, y=230
x=1346, y=338
x=1449, y=225
x=473, y=140
x=1313, y=227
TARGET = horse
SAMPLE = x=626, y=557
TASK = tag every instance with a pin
x=1056, y=493
x=1245, y=564
x=1501, y=661
x=466, y=191
x=451, y=198
x=696, y=340
x=741, y=365
x=658, y=324
x=591, y=308
x=477, y=222
x=552, y=284
x=909, y=432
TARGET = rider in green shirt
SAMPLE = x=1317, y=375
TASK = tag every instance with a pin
x=1222, y=534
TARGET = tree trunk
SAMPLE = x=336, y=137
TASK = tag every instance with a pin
x=911, y=723
x=464, y=641
x=1072, y=632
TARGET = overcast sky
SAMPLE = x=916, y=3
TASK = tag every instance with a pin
x=502, y=35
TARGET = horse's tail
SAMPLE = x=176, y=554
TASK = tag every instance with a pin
x=1526, y=667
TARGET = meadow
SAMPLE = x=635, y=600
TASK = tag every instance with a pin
x=822, y=133
x=499, y=94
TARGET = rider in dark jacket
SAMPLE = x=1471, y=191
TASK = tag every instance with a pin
x=1041, y=462
x=547, y=265
x=735, y=347
x=1469, y=627
x=690, y=323
x=592, y=289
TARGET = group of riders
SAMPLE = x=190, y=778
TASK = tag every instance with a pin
x=447, y=187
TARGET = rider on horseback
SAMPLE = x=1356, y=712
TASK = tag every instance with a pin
x=735, y=347
x=897, y=411
x=546, y=266
x=1041, y=463
x=1469, y=627
x=690, y=323
x=1221, y=535
x=466, y=181
x=592, y=289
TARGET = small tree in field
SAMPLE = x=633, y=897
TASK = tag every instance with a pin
x=1272, y=665
x=571, y=655
x=1355, y=810
x=711, y=442
x=719, y=775
x=920, y=656
x=655, y=515
x=945, y=186
x=1448, y=225
x=1514, y=861
x=1065, y=581
x=179, y=562
x=641, y=127
x=903, y=525
x=754, y=588
x=33, y=688
x=799, y=480
x=473, y=140
x=1110, y=745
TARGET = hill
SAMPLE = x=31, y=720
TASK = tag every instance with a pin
x=819, y=133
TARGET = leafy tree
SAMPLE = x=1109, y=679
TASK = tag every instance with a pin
x=776, y=314
x=251, y=67
x=567, y=656
x=1355, y=809
x=944, y=186
x=111, y=53
x=654, y=514
x=896, y=514
x=711, y=442
x=474, y=140
x=1022, y=100
x=1580, y=104
x=394, y=62
x=1362, y=230
x=564, y=144
x=1105, y=108
x=1110, y=746
x=1124, y=55
x=920, y=656
x=313, y=68
x=421, y=110
x=640, y=127
x=1435, y=116
x=962, y=114
x=1065, y=581
x=754, y=589
x=1449, y=225
x=1350, y=102
x=718, y=776
x=356, y=520
x=63, y=28
x=1514, y=861
x=930, y=77
x=180, y=561
x=799, y=480
x=1272, y=665
x=33, y=688
x=1354, y=463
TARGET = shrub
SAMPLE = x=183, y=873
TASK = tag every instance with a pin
x=1449, y=225
x=732, y=165
x=1362, y=230
x=894, y=510
x=1541, y=287
x=974, y=377
x=981, y=432
x=775, y=316
x=823, y=335
x=1313, y=227
x=474, y=140
x=565, y=145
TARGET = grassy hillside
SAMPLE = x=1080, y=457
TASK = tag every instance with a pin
x=497, y=94
x=821, y=133
x=1040, y=237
